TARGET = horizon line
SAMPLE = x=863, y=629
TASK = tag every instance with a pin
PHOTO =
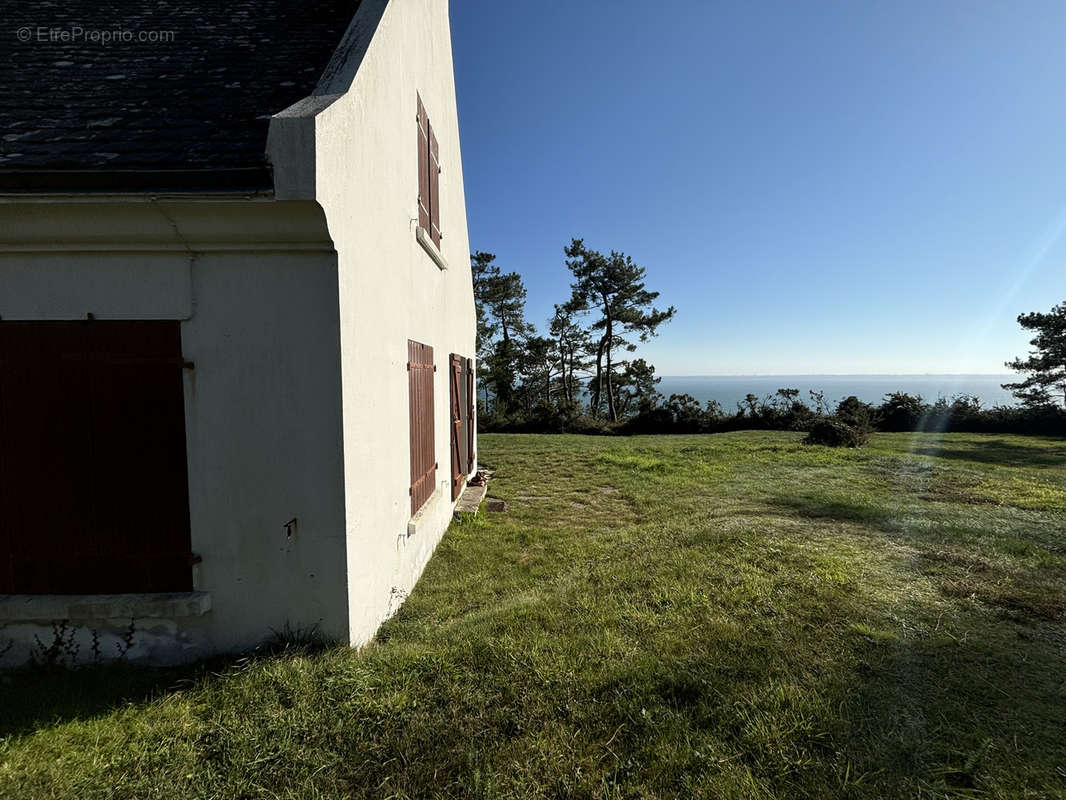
x=847, y=375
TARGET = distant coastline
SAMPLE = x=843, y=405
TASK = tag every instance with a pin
x=728, y=390
x=856, y=375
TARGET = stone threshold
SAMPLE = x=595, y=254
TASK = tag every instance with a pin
x=473, y=496
x=470, y=500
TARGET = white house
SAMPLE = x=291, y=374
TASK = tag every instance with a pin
x=236, y=321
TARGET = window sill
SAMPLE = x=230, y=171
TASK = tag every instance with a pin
x=427, y=245
x=50, y=607
x=419, y=519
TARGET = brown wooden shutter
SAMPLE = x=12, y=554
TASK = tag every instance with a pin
x=93, y=481
x=420, y=386
x=471, y=421
x=434, y=187
x=423, y=168
x=455, y=391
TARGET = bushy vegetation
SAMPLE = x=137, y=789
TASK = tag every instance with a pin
x=785, y=411
x=578, y=378
x=834, y=433
x=736, y=617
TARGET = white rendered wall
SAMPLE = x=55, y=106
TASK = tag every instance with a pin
x=366, y=180
x=298, y=406
x=264, y=434
x=256, y=290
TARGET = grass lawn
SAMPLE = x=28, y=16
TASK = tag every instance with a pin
x=731, y=616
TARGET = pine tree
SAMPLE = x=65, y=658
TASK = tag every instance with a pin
x=1046, y=383
x=636, y=388
x=570, y=349
x=613, y=288
x=502, y=328
x=483, y=271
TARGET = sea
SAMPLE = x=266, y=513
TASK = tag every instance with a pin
x=729, y=390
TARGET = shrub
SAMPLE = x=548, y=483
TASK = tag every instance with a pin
x=833, y=433
x=799, y=417
x=685, y=412
x=854, y=412
x=682, y=413
x=901, y=412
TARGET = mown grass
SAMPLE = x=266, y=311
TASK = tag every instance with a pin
x=731, y=616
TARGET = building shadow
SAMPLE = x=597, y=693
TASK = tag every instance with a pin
x=35, y=696
x=998, y=451
x=38, y=696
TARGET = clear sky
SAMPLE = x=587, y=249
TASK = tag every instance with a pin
x=818, y=187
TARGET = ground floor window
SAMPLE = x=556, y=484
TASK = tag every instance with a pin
x=420, y=371
x=94, y=495
x=462, y=394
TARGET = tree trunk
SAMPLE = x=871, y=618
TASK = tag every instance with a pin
x=598, y=385
x=567, y=375
x=612, y=407
x=562, y=370
x=570, y=390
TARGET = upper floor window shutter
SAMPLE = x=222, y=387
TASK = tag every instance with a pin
x=423, y=168
x=434, y=187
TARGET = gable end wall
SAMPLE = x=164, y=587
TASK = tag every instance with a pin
x=391, y=290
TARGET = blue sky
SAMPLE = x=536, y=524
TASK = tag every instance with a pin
x=818, y=187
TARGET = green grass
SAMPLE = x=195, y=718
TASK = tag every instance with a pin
x=732, y=616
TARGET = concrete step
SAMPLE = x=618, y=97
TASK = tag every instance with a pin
x=470, y=500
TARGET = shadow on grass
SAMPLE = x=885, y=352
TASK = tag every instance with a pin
x=998, y=451
x=944, y=553
x=838, y=509
x=867, y=712
x=945, y=714
x=34, y=696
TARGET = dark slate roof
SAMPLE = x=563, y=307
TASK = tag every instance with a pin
x=200, y=102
